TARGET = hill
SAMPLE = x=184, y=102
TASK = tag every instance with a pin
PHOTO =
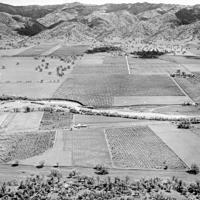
x=105, y=23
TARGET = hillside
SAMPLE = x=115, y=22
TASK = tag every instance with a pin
x=105, y=23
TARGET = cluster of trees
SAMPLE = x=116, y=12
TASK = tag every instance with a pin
x=76, y=186
x=103, y=49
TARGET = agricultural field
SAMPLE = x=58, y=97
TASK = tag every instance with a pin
x=33, y=77
x=37, y=50
x=56, y=120
x=100, y=90
x=75, y=148
x=24, y=144
x=140, y=147
x=150, y=100
x=185, y=143
x=73, y=50
x=31, y=70
x=191, y=86
x=101, y=65
x=89, y=147
x=25, y=122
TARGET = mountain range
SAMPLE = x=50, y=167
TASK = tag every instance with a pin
x=110, y=22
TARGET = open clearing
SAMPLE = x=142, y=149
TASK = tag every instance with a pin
x=183, y=142
x=149, y=100
x=139, y=147
x=70, y=50
x=100, y=90
x=37, y=50
x=25, y=122
x=26, y=70
x=34, y=90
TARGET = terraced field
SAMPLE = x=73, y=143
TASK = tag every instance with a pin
x=139, y=147
x=99, y=90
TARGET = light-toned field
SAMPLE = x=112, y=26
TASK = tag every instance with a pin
x=193, y=67
x=25, y=122
x=23, y=69
x=37, y=50
x=140, y=147
x=35, y=90
x=3, y=116
x=89, y=148
x=70, y=50
x=183, y=142
x=149, y=100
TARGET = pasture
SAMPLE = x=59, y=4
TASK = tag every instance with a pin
x=28, y=76
x=140, y=147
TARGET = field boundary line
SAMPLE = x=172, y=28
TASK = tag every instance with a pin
x=109, y=149
x=182, y=90
x=128, y=66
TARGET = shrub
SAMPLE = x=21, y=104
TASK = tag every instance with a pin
x=41, y=164
x=15, y=163
x=194, y=169
x=184, y=125
x=100, y=170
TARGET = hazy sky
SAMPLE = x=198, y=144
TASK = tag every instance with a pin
x=48, y=2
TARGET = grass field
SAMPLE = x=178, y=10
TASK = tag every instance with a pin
x=140, y=147
x=100, y=90
x=35, y=90
x=25, y=69
x=56, y=120
x=183, y=142
x=89, y=148
x=25, y=122
x=70, y=50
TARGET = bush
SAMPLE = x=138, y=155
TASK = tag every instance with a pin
x=184, y=125
x=194, y=169
x=15, y=163
x=100, y=170
x=40, y=165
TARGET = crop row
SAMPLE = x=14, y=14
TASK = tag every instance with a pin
x=139, y=147
x=56, y=120
x=22, y=146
